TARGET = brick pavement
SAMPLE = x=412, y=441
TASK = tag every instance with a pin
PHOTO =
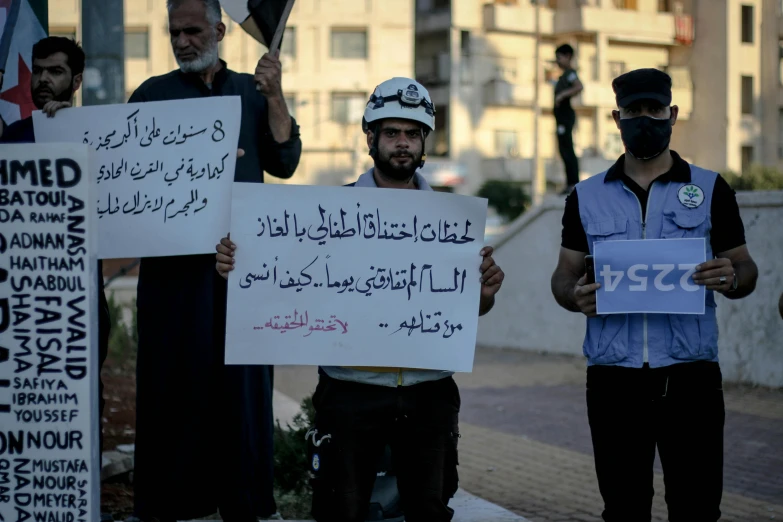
x=526, y=444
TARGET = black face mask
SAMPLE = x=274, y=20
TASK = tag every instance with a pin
x=645, y=137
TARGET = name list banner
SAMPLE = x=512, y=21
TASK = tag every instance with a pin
x=49, y=462
x=164, y=171
x=653, y=276
x=354, y=276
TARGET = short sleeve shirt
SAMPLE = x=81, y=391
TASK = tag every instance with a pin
x=727, y=232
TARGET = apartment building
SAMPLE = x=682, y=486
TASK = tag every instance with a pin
x=478, y=58
x=334, y=53
x=735, y=63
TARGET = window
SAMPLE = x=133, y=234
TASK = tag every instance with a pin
x=663, y=6
x=439, y=142
x=348, y=108
x=288, y=46
x=747, y=24
x=747, y=95
x=780, y=134
x=349, y=43
x=506, y=144
x=747, y=157
x=625, y=4
x=137, y=42
x=442, y=4
x=780, y=62
x=465, y=42
x=616, y=69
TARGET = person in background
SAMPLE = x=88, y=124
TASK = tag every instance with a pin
x=204, y=430
x=653, y=380
x=566, y=88
x=359, y=410
x=58, y=65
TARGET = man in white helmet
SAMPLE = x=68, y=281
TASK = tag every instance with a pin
x=361, y=410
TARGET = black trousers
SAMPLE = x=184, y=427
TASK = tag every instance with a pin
x=356, y=422
x=565, y=142
x=678, y=409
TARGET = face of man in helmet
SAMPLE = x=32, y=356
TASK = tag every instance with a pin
x=400, y=148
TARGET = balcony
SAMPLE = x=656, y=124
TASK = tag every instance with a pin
x=435, y=21
x=517, y=18
x=434, y=70
x=618, y=24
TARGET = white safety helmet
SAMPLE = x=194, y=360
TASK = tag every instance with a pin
x=401, y=98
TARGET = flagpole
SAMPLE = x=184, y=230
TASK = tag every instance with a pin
x=273, y=46
x=8, y=32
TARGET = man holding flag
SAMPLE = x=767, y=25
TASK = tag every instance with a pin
x=203, y=429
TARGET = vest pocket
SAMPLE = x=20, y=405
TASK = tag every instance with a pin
x=607, y=339
x=694, y=337
x=683, y=223
x=608, y=229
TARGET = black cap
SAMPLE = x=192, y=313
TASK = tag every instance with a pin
x=643, y=84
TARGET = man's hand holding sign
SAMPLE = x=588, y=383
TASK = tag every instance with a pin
x=717, y=274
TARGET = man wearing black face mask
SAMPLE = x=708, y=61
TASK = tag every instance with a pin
x=653, y=380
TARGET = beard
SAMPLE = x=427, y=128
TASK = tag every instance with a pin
x=383, y=162
x=44, y=94
x=203, y=60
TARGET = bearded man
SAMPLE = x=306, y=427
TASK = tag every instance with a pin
x=204, y=429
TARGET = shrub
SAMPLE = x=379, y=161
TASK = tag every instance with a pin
x=508, y=198
x=757, y=177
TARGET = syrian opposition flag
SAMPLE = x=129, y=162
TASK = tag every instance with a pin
x=22, y=24
x=260, y=18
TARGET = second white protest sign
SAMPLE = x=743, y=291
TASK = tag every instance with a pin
x=164, y=171
x=354, y=276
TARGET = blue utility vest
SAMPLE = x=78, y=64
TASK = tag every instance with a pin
x=611, y=211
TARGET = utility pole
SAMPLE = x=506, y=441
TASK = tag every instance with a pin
x=103, y=40
x=538, y=182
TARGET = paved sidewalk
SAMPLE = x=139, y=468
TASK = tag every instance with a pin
x=526, y=443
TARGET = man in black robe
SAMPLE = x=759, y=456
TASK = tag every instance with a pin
x=204, y=429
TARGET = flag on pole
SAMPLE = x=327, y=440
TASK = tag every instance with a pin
x=258, y=18
x=22, y=24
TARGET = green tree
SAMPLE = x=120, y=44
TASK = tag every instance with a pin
x=757, y=177
x=508, y=198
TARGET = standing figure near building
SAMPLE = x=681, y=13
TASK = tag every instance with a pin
x=359, y=410
x=568, y=86
x=653, y=380
x=204, y=429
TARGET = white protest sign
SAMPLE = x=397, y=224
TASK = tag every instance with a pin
x=354, y=276
x=164, y=171
x=49, y=458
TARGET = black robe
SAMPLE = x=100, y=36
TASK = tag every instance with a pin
x=204, y=430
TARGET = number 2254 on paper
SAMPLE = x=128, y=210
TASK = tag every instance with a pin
x=649, y=276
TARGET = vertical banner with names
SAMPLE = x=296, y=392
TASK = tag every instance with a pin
x=49, y=462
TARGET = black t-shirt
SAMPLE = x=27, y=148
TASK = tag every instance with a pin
x=727, y=229
x=565, y=82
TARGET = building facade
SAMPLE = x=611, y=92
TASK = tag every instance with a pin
x=735, y=62
x=478, y=58
x=334, y=53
